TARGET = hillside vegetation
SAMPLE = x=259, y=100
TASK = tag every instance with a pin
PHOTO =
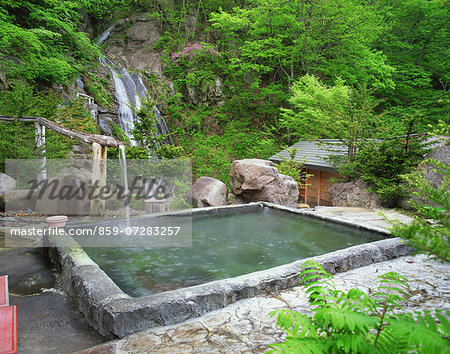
x=345, y=69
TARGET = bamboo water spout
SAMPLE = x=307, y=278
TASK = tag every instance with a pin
x=123, y=165
x=98, y=178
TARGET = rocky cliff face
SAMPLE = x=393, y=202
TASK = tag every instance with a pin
x=131, y=43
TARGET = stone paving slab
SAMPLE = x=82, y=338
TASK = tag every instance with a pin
x=245, y=326
x=380, y=218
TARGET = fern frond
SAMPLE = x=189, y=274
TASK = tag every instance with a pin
x=421, y=335
x=444, y=323
x=314, y=269
x=300, y=345
x=350, y=343
x=392, y=342
x=343, y=320
x=295, y=324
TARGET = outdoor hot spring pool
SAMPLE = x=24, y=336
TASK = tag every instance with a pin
x=225, y=245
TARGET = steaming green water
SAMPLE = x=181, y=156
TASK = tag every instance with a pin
x=223, y=246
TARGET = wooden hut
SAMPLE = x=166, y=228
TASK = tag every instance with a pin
x=314, y=156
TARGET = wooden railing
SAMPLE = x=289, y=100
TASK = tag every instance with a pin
x=100, y=143
x=102, y=140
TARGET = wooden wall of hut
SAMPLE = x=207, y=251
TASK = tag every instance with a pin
x=317, y=188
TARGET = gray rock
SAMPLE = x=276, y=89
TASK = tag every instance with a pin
x=19, y=200
x=6, y=183
x=291, y=186
x=354, y=194
x=235, y=200
x=433, y=177
x=67, y=194
x=131, y=43
x=193, y=94
x=106, y=123
x=208, y=94
x=3, y=81
x=441, y=154
x=208, y=191
x=258, y=180
x=79, y=150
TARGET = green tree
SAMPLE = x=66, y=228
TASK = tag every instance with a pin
x=417, y=47
x=382, y=163
x=17, y=139
x=283, y=39
x=41, y=42
x=332, y=112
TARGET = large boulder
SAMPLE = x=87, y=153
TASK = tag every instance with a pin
x=6, y=183
x=354, y=194
x=429, y=174
x=208, y=191
x=20, y=200
x=235, y=200
x=67, y=194
x=259, y=180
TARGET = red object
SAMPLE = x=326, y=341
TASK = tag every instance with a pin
x=8, y=330
x=4, y=300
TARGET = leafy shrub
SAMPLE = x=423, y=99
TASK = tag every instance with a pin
x=75, y=116
x=41, y=42
x=170, y=151
x=382, y=163
x=291, y=167
x=120, y=134
x=146, y=131
x=355, y=322
x=213, y=154
x=196, y=65
x=131, y=152
x=99, y=88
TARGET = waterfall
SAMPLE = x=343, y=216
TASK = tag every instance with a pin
x=104, y=36
x=130, y=90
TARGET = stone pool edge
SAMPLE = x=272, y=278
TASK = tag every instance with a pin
x=110, y=311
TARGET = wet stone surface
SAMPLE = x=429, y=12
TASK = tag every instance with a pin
x=48, y=321
x=246, y=326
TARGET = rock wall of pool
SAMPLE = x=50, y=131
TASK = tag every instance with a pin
x=110, y=310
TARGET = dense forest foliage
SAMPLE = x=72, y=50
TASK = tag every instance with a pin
x=345, y=69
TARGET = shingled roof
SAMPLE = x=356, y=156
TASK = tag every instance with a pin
x=314, y=153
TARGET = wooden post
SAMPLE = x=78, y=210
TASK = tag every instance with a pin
x=319, y=185
x=306, y=187
x=98, y=178
x=40, y=145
